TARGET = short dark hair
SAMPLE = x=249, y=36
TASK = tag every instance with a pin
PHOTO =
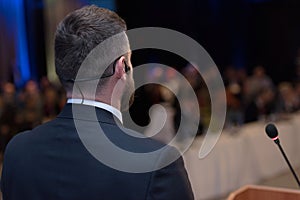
x=78, y=34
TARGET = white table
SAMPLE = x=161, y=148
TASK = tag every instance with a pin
x=246, y=157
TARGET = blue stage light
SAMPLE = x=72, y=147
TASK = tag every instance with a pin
x=14, y=16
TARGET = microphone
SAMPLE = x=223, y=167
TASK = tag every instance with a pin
x=272, y=132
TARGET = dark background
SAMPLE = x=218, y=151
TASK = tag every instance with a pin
x=238, y=33
x=235, y=33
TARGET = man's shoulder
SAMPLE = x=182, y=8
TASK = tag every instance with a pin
x=20, y=138
x=26, y=138
x=17, y=144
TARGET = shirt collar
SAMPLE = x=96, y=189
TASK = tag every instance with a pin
x=117, y=113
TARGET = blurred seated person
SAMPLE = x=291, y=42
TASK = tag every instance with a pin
x=288, y=96
x=8, y=111
x=31, y=106
x=256, y=82
x=297, y=91
x=162, y=127
x=261, y=106
x=50, y=103
x=185, y=116
x=234, y=115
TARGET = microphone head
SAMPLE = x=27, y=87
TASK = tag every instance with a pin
x=271, y=131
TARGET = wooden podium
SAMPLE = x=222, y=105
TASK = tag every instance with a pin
x=253, y=192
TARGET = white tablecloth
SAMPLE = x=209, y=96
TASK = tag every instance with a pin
x=245, y=157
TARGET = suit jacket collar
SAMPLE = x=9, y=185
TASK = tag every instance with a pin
x=89, y=113
x=98, y=104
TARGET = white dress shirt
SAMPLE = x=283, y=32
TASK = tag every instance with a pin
x=117, y=113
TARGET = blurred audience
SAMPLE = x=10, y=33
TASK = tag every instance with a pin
x=249, y=98
x=27, y=107
x=255, y=97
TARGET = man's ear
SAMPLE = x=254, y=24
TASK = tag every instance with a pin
x=120, y=67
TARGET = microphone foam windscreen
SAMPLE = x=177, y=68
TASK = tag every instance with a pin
x=271, y=131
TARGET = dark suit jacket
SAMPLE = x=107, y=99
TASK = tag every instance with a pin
x=50, y=162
